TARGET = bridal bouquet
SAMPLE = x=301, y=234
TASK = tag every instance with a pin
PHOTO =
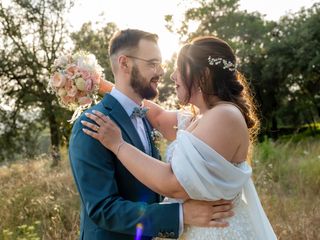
x=75, y=80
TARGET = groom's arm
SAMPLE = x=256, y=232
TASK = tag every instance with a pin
x=94, y=173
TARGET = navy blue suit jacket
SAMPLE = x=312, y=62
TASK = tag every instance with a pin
x=113, y=201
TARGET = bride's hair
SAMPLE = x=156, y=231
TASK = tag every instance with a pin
x=209, y=63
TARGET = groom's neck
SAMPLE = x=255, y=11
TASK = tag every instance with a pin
x=130, y=93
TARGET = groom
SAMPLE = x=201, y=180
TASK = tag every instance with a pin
x=114, y=204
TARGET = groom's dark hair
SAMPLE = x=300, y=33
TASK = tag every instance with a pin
x=129, y=39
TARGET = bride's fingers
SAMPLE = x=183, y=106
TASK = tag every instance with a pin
x=221, y=215
x=218, y=223
x=95, y=118
x=101, y=115
x=222, y=208
x=90, y=125
x=110, y=123
x=91, y=133
x=221, y=202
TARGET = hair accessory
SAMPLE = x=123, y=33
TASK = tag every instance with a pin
x=226, y=64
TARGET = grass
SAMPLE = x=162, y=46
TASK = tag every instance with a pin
x=287, y=176
x=37, y=202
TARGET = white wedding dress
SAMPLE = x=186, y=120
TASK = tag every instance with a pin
x=206, y=175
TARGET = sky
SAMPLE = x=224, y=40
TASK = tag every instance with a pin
x=148, y=15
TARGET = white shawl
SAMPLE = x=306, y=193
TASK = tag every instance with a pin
x=206, y=175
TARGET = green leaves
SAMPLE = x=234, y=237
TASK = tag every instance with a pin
x=274, y=56
x=32, y=34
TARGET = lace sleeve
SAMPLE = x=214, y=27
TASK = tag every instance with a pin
x=183, y=119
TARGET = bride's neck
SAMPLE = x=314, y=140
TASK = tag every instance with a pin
x=202, y=107
x=199, y=101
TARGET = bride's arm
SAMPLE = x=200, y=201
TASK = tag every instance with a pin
x=164, y=121
x=105, y=87
x=155, y=174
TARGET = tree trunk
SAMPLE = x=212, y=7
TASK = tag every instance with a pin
x=55, y=140
x=274, y=128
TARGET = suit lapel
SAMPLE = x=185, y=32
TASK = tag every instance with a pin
x=154, y=149
x=120, y=116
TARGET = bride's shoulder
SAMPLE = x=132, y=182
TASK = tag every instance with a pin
x=225, y=114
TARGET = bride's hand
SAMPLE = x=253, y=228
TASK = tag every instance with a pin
x=104, y=130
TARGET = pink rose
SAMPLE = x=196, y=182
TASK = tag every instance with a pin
x=85, y=74
x=58, y=80
x=67, y=99
x=71, y=70
x=69, y=83
x=89, y=85
x=96, y=78
x=84, y=101
x=72, y=91
x=81, y=94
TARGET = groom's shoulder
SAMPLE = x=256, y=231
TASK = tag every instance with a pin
x=99, y=107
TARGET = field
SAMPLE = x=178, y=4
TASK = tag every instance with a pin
x=37, y=202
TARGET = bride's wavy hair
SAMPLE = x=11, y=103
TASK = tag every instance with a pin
x=209, y=63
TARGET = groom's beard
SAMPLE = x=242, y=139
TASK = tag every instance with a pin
x=141, y=85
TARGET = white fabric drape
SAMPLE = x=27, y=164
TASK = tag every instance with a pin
x=206, y=175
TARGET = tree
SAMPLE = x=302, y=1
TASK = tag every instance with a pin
x=32, y=34
x=166, y=87
x=281, y=68
x=245, y=32
x=289, y=73
x=300, y=37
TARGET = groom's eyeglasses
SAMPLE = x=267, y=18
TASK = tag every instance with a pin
x=152, y=63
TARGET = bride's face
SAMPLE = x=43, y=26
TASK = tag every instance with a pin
x=181, y=89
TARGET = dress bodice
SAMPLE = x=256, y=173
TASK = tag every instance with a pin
x=206, y=175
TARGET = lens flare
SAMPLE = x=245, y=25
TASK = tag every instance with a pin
x=139, y=230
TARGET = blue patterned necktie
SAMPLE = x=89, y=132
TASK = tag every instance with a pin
x=139, y=112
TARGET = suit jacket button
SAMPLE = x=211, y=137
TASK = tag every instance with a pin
x=171, y=234
x=160, y=235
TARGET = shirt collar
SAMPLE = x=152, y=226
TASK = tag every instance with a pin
x=127, y=103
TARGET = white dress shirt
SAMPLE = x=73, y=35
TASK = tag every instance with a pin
x=128, y=105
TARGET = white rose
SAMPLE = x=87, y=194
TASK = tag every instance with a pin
x=62, y=92
x=80, y=84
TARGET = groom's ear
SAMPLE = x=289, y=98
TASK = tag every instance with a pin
x=123, y=63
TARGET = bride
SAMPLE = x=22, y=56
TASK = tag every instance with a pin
x=207, y=159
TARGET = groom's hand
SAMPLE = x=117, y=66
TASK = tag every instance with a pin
x=207, y=214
